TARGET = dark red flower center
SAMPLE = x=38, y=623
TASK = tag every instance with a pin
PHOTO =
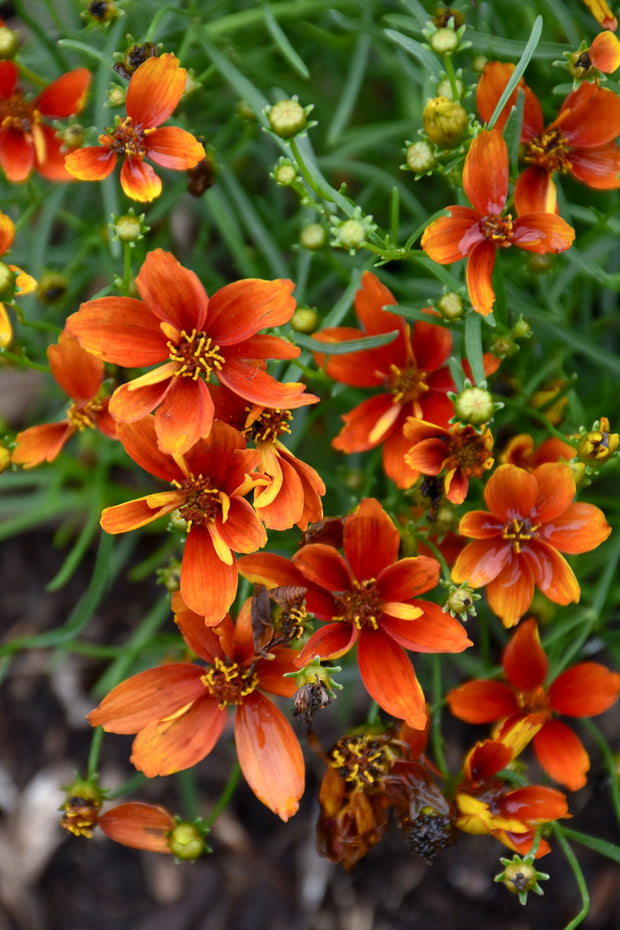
x=203, y=502
x=84, y=416
x=362, y=760
x=196, y=354
x=497, y=229
x=407, y=384
x=469, y=451
x=360, y=606
x=17, y=113
x=228, y=682
x=550, y=151
x=268, y=425
x=534, y=700
x=126, y=139
x=519, y=531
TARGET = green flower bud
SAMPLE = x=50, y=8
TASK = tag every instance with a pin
x=186, y=842
x=445, y=122
x=305, y=320
x=450, y=306
x=444, y=41
x=313, y=236
x=9, y=43
x=287, y=118
x=474, y=405
x=51, y=288
x=420, y=157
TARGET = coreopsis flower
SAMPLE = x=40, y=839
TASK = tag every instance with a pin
x=582, y=690
x=368, y=597
x=13, y=281
x=154, y=91
x=293, y=495
x=180, y=710
x=518, y=544
x=210, y=483
x=369, y=772
x=580, y=141
x=27, y=143
x=195, y=337
x=477, y=232
x=602, y=13
x=411, y=374
x=460, y=451
x=486, y=803
x=80, y=375
x=521, y=450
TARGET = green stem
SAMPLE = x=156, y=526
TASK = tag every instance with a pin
x=447, y=61
x=95, y=749
x=226, y=795
x=436, y=736
x=581, y=882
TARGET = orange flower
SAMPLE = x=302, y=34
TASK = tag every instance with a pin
x=487, y=804
x=370, y=597
x=22, y=283
x=583, y=690
x=293, y=495
x=80, y=376
x=479, y=232
x=209, y=486
x=518, y=544
x=196, y=337
x=179, y=710
x=411, y=372
x=520, y=451
x=604, y=53
x=154, y=91
x=460, y=451
x=26, y=142
x=602, y=13
x=580, y=141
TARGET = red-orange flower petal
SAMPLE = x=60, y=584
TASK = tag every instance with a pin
x=479, y=274
x=584, y=690
x=138, y=180
x=91, y=163
x=535, y=192
x=208, y=584
x=154, y=91
x=171, y=147
x=482, y=701
x=562, y=755
x=118, y=330
x=452, y=237
x=39, y=444
x=64, y=96
x=510, y=487
x=542, y=233
x=580, y=528
x=179, y=741
x=551, y=572
x=485, y=173
x=481, y=561
x=597, y=167
x=16, y=154
x=138, y=825
x=491, y=86
x=605, y=52
x=329, y=642
x=390, y=679
x=370, y=522
x=434, y=631
x=269, y=755
x=324, y=566
x=524, y=660
x=184, y=417
x=510, y=593
x=242, y=308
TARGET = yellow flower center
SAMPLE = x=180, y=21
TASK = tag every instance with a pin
x=196, y=355
x=520, y=531
x=497, y=229
x=228, y=682
x=361, y=606
x=550, y=151
x=407, y=384
x=203, y=502
x=126, y=139
x=17, y=113
x=534, y=700
x=361, y=760
x=268, y=425
x=83, y=416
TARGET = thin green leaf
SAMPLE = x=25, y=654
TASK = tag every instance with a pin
x=350, y=345
x=428, y=61
x=519, y=70
x=283, y=43
x=473, y=347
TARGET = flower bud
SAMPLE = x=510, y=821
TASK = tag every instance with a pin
x=598, y=445
x=9, y=43
x=461, y=601
x=81, y=807
x=135, y=56
x=287, y=118
x=313, y=236
x=101, y=11
x=116, y=96
x=51, y=288
x=447, y=17
x=305, y=320
x=520, y=876
x=450, y=306
x=420, y=157
x=128, y=228
x=444, y=89
x=474, y=405
x=580, y=65
x=444, y=41
x=186, y=842
x=445, y=122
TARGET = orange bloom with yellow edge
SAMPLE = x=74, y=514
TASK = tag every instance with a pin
x=602, y=13
x=180, y=710
x=154, y=91
x=487, y=804
x=292, y=496
x=210, y=483
x=582, y=690
x=580, y=141
x=369, y=597
x=604, y=53
x=477, y=232
x=518, y=544
x=13, y=281
x=80, y=376
x=27, y=143
x=195, y=337
x=460, y=451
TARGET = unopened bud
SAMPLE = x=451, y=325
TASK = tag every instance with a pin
x=445, y=122
x=450, y=306
x=313, y=236
x=186, y=842
x=287, y=118
x=444, y=41
x=304, y=320
x=9, y=43
x=474, y=405
x=420, y=157
x=128, y=228
x=598, y=444
x=285, y=173
x=51, y=288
